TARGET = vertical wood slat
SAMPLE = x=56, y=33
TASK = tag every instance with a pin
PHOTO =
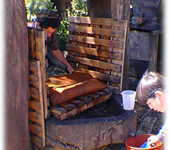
x=40, y=55
x=124, y=52
x=37, y=113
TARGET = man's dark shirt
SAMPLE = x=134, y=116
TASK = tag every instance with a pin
x=52, y=42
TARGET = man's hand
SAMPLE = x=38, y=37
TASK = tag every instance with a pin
x=152, y=140
x=70, y=69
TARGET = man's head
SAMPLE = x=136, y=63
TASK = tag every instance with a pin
x=150, y=91
x=49, y=25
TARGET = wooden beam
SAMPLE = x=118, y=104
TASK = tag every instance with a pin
x=96, y=41
x=96, y=31
x=96, y=21
x=95, y=52
x=98, y=64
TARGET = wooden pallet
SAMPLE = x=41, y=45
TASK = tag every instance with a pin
x=97, y=45
x=71, y=108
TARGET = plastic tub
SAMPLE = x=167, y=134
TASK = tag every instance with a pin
x=128, y=97
x=134, y=143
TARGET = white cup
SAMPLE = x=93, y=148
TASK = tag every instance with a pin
x=128, y=97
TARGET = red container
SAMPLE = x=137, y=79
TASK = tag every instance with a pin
x=134, y=143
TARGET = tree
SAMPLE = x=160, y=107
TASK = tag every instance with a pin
x=35, y=6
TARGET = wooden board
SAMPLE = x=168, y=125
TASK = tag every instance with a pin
x=97, y=31
x=36, y=109
x=95, y=52
x=96, y=21
x=99, y=44
x=95, y=41
x=40, y=55
x=98, y=64
x=14, y=77
x=79, y=104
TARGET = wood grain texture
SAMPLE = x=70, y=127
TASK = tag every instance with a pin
x=40, y=55
x=99, y=44
x=95, y=41
x=93, y=51
x=66, y=110
x=16, y=75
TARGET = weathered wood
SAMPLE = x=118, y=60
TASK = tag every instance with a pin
x=35, y=105
x=98, y=64
x=124, y=68
x=96, y=21
x=101, y=76
x=37, y=115
x=94, y=45
x=31, y=43
x=66, y=110
x=34, y=93
x=96, y=41
x=34, y=80
x=97, y=31
x=40, y=55
x=36, y=129
x=36, y=140
x=95, y=52
x=16, y=84
x=34, y=66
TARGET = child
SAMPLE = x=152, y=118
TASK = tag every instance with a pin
x=150, y=91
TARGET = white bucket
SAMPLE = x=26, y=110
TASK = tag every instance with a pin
x=128, y=97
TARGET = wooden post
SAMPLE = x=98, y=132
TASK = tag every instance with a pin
x=17, y=85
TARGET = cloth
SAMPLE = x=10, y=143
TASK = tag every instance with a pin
x=72, y=87
x=162, y=132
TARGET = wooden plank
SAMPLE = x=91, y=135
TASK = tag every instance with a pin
x=31, y=43
x=98, y=64
x=124, y=65
x=33, y=66
x=40, y=55
x=34, y=93
x=101, y=76
x=15, y=77
x=36, y=140
x=94, y=100
x=34, y=80
x=96, y=41
x=96, y=21
x=95, y=52
x=96, y=31
x=36, y=129
x=35, y=117
x=35, y=105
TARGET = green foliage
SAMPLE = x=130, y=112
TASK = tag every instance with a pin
x=79, y=8
x=35, y=6
x=63, y=32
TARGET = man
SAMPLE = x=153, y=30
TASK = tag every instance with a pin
x=150, y=91
x=53, y=52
